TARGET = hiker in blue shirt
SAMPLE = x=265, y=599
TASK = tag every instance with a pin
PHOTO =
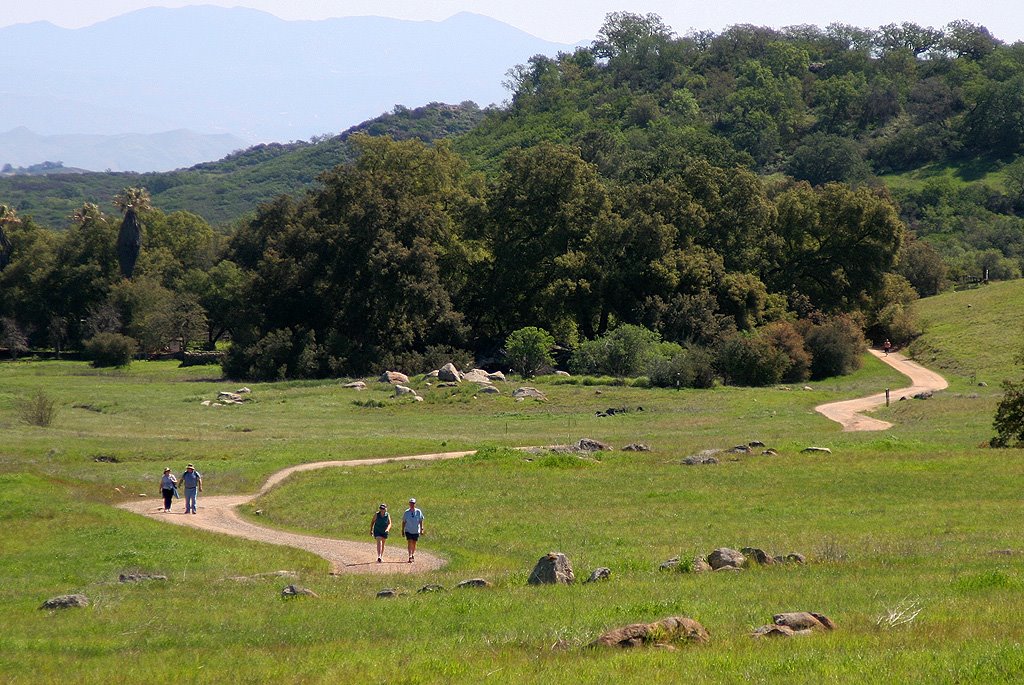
x=168, y=488
x=193, y=483
x=412, y=527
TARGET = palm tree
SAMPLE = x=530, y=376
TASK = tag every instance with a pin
x=130, y=201
x=8, y=216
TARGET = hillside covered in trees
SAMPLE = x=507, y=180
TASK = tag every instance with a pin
x=751, y=201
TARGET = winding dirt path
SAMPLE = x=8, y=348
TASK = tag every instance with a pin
x=848, y=412
x=219, y=514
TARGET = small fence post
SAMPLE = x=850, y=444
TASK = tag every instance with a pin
x=887, y=397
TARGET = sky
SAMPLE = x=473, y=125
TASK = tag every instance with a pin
x=571, y=21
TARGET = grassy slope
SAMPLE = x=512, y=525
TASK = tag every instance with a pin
x=909, y=513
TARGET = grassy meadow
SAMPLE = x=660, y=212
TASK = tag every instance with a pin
x=908, y=517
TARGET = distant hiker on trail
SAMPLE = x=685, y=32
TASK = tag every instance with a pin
x=886, y=346
x=412, y=527
x=193, y=483
x=379, y=529
x=168, y=488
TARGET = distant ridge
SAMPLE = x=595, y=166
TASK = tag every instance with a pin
x=237, y=71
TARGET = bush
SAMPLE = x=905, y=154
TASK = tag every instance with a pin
x=38, y=410
x=622, y=352
x=836, y=347
x=278, y=355
x=1009, y=419
x=434, y=357
x=689, y=368
x=528, y=350
x=784, y=336
x=110, y=349
x=751, y=360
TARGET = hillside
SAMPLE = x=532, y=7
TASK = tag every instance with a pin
x=225, y=190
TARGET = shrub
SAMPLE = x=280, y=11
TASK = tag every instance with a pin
x=751, y=360
x=527, y=350
x=434, y=357
x=38, y=410
x=278, y=355
x=689, y=368
x=110, y=349
x=784, y=336
x=1009, y=419
x=622, y=352
x=836, y=347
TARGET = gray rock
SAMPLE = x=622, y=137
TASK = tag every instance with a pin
x=476, y=376
x=432, y=374
x=759, y=556
x=393, y=377
x=772, y=630
x=591, y=445
x=431, y=588
x=636, y=447
x=524, y=392
x=705, y=457
x=449, y=374
x=564, y=374
x=402, y=390
x=726, y=557
x=755, y=443
x=796, y=558
x=388, y=593
x=495, y=376
x=290, y=591
x=816, y=450
x=700, y=565
x=65, y=602
x=552, y=568
x=804, y=620
x=355, y=385
x=139, y=577
x=739, y=449
x=663, y=632
x=490, y=390
x=602, y=573
x=669, y=564
x=473, y=582
x=926, y=395
x=770, y=452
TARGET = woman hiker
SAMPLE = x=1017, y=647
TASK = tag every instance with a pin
x=168, y=488
x=379, y=529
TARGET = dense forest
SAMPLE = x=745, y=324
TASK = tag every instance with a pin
x=744, y=205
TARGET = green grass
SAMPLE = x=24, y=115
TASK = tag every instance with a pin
x=910, y=514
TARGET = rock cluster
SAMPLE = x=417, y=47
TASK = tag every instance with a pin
x=65, y=602
x=666, y=632
x=240, y=396
x=290, y=591
x=728, y=559
x=552, y=568
x=795, y=624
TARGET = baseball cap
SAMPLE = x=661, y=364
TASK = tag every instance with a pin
x=412, y=500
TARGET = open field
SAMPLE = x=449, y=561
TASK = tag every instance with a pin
x=909, y=515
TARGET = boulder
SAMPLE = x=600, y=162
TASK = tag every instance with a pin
x=726, y=557
x=669, y=564
x=449, y=374
x=206, y=403
x=489, y=390
x=290, y=591
x=564, y=374
x=755, y=443
x=388, y=593
x=700, y=565
x=759, y=556
x=602, y=573
x=705, y=457
x=663, y=632
x=393, y=377
x=476, y=376
x=739, y=449
x=402, y=391
x=591, y=445
x=636, y=447
x=804, y=620
x=495, y=376
x=65, y=602
x=553, y=567
x=925, y=395
x=228, y=397
x=770, y=452
x=524, y=392
x=139, y=577
x=473, y=582
x=433, y=587
x=355, y=385
x=432, y=374
x=816, y=450
x=243, y=391
x=796, y=558
x=772, y=630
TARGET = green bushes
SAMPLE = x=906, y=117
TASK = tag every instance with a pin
x=528, y=350
x=110, y=349
x=38, y=410
x=836, y=347
x=622, y=352
x=746, y=359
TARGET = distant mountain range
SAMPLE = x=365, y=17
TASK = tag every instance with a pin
x=236, y=72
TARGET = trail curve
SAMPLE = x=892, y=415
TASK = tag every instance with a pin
x=848, y=412
x=219, y=514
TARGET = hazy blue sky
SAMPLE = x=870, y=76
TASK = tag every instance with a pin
x=569, y=21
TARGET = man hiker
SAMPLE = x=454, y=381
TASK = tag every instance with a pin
x=412, y=527
x=193, y=484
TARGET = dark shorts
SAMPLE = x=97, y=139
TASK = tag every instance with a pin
x=412, y=536
x=380, y=535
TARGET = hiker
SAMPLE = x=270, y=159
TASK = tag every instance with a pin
x=193, y=483
x=412, y=527
x=168, y=488
x=886, y=346
x=379, y=529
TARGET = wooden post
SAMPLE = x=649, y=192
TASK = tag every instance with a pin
x=887, y=397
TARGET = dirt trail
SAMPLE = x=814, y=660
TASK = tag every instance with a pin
x=218, y=514
x=848, y=412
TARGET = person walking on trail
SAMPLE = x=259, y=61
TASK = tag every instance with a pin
x=886, y=347
x=379, y=529
x=193, y=484
x=168, y=488
x=412, y=527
